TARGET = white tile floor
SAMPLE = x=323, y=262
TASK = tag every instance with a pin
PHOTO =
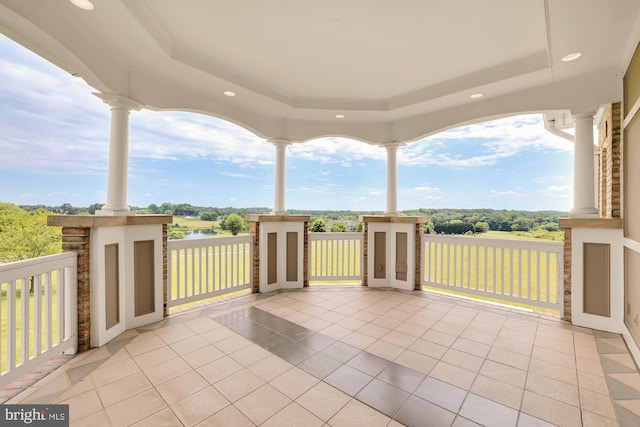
x=348, y=356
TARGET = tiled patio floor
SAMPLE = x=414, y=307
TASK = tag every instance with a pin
x=349, y=356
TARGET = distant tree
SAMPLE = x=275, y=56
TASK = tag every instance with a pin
x=550, y=226
x=318, y=226
x=429, y=227
x=522, y=224
x=67, y=209
x=208, y=216
x=234, y=223
x=94, y=207
x=25, y=235
x=358, y=227
x=338, y=227
x=481, y=227
x=175, y=234
x=455, y=226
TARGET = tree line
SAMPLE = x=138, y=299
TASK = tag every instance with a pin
x=439, y=221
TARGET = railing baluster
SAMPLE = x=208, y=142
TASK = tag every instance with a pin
x=33, y=317
x=24, y=320
x=502, y=268
x=37, y=314
x=59, y=307
x=11, y=325
x=48, y=291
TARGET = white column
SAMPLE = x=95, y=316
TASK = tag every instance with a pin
x=279, y=184
x=583, y=169
x=392, y=179
x=116, y=203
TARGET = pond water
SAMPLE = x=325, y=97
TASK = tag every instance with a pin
x=198, y=234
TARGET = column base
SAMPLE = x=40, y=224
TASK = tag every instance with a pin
x=584, y=213
x=115, y=212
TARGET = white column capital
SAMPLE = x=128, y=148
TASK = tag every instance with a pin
x=392, y=145
x=280, y=142
x=116, y=101
x=583, y=116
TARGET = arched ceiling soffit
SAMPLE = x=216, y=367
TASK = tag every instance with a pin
x=395, y=73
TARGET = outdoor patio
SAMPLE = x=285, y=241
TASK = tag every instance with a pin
x=345, y=356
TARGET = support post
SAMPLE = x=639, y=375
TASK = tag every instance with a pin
x=116, y=203
x=583, y=169
x=392, y=179
x=280, y=176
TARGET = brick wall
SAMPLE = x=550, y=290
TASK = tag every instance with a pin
x=609, y=139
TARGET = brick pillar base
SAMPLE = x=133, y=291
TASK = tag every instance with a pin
x=254, y=230
x=305, y=254
x=567, y=275
x=77, y=239
x=165, y=276
x=365, y=254
x=418, y=256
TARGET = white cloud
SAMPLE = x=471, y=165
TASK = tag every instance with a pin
x=496, y=140
x=556, y=192
x=341, y=151
x=549, y=178
x=235, y=175
x=507, y=193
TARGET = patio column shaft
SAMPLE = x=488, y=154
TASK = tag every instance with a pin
x=280, y=175
x=583, y=169
x=116, y=203
x=392, y=180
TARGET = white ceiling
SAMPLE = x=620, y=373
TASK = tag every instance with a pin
x=396, y=70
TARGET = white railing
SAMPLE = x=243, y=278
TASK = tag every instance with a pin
x=43, y=324
x=524, y=272
x=335, y=256
x=204, y=268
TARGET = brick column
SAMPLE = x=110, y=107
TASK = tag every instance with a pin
x=165, y=268
x=305, y=261
x=418, y=255
x=365, y=254
x=609, y=138
x=254, y=230
x=567, y=275
x=78, y=240
x=615, y=160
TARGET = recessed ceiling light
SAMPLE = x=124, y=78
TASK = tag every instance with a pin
x=476, y=96
x=83, y=4
x=339, y=116
x=229, y=93
x=571, y=57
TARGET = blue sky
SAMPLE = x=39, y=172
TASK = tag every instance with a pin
x=55, y=137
